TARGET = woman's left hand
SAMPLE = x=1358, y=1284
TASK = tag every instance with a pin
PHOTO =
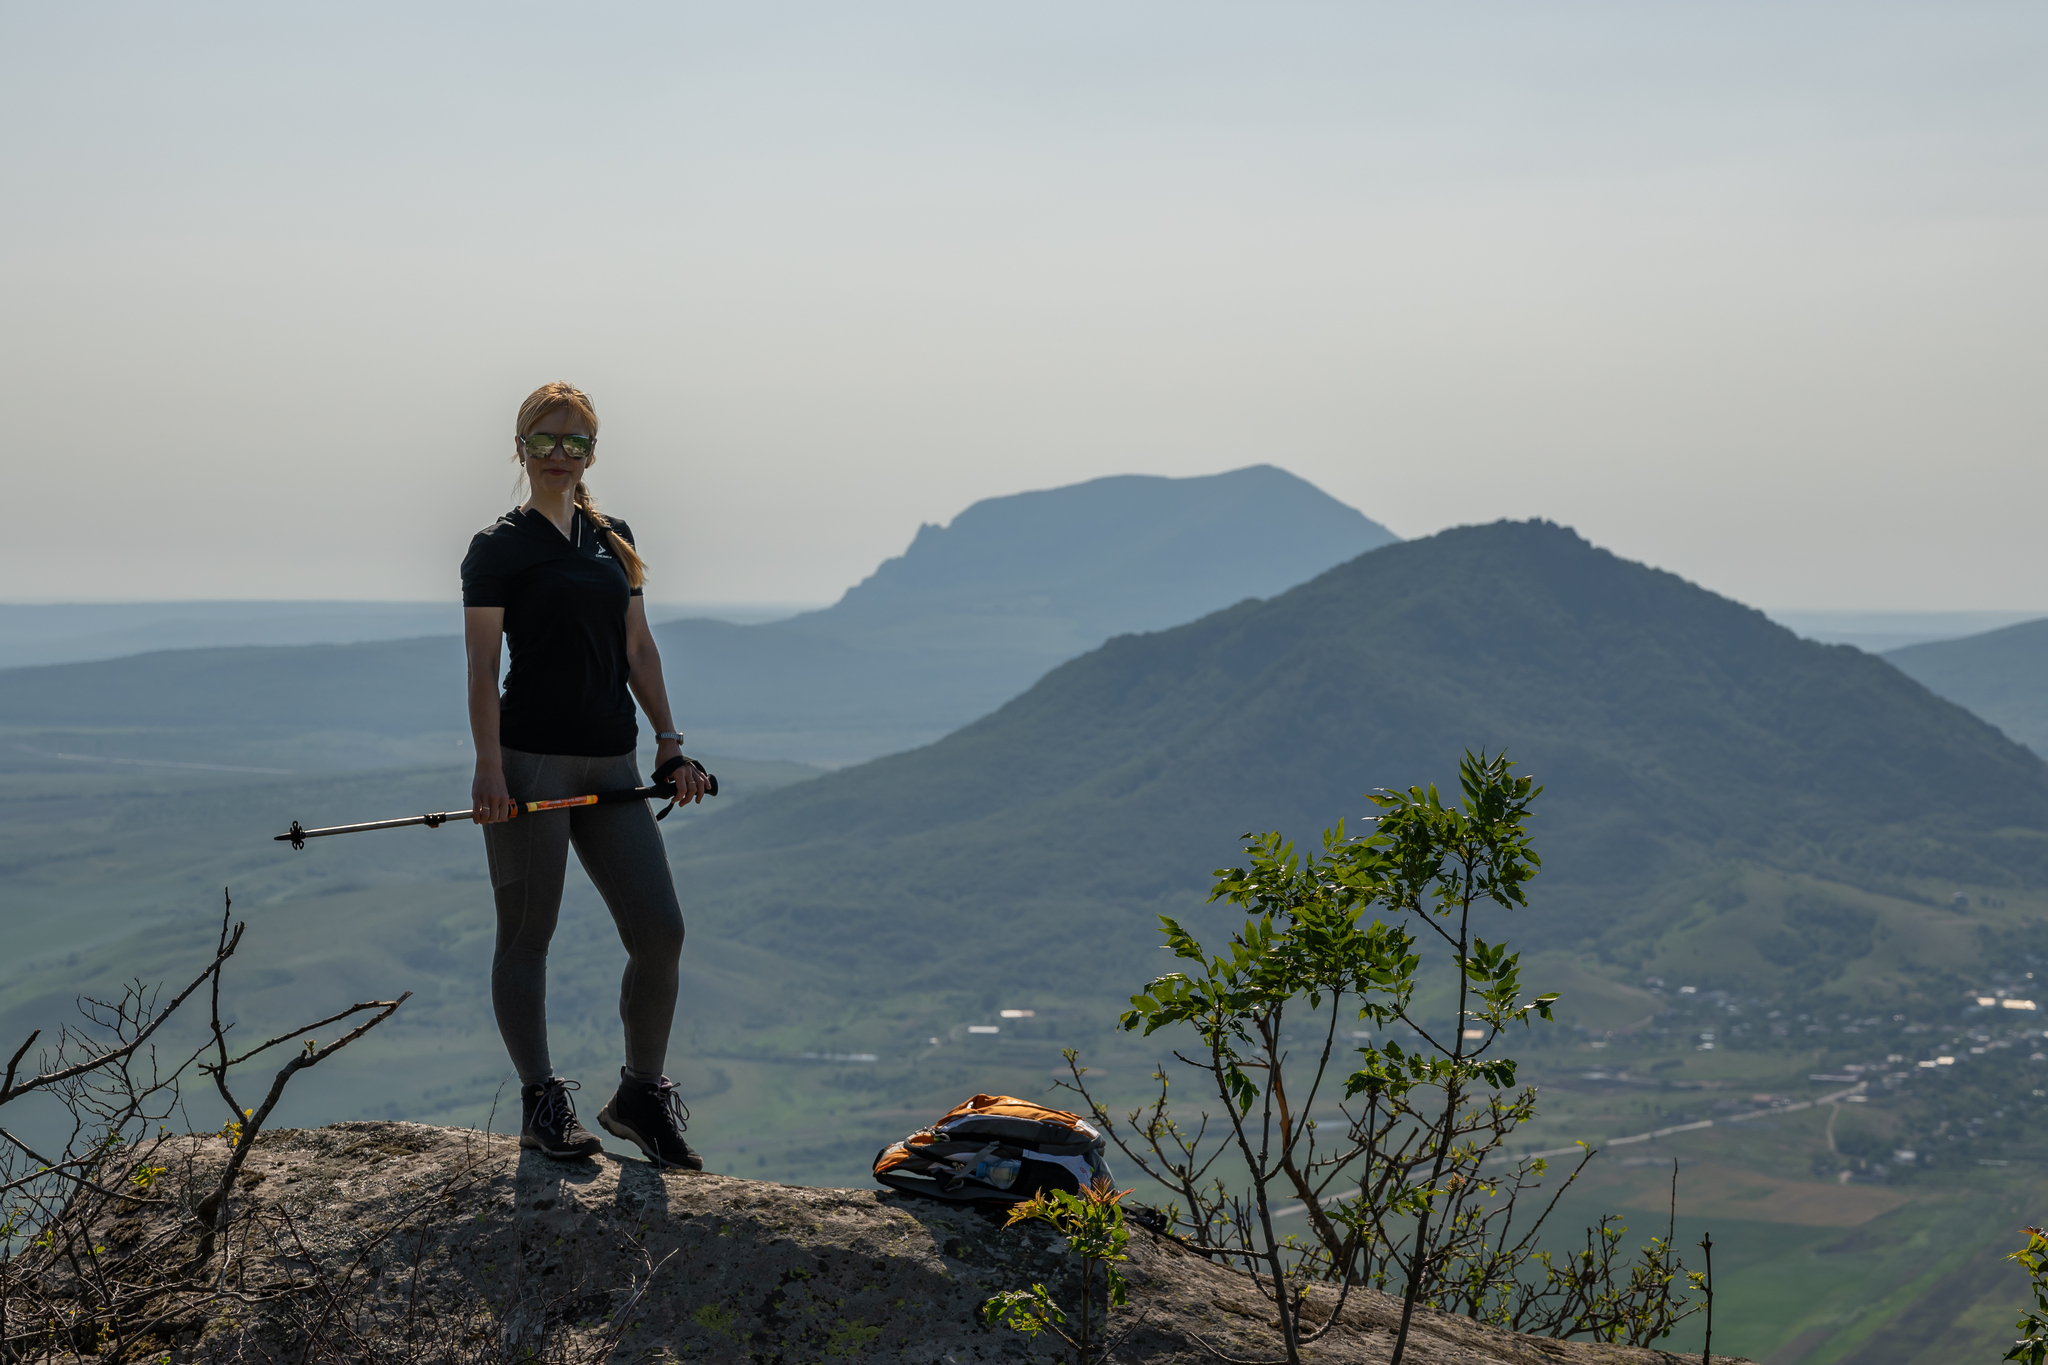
x=690, y=783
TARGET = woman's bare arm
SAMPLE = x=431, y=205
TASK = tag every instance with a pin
x=483, y=636
x=643, y=675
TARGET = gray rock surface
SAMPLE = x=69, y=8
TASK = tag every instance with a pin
x=415, y=1231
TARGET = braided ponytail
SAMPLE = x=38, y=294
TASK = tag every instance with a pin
x=554, y=397
x=629, y=558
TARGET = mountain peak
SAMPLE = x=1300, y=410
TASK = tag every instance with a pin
x=1675, y=732
x=1125, y=552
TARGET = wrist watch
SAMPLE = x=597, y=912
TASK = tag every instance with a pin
x=675, y=735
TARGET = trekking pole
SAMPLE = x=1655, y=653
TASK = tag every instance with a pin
x=664, y=785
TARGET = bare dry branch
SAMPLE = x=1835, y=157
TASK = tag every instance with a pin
x=10, y=1091
x=209, y=1210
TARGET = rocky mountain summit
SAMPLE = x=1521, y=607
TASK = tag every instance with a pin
x=400, y=1241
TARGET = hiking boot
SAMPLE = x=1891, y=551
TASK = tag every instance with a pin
x=651, y=1116
x=547, y=1122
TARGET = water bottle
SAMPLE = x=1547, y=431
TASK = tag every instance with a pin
x=1001, y=1174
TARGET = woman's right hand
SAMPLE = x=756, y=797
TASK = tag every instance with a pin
x=489, y=801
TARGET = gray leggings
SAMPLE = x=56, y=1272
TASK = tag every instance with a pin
x=621, y=849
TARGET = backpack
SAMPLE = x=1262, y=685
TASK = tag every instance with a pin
x=995, y=1147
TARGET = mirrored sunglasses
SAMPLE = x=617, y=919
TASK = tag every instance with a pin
x=541, y=447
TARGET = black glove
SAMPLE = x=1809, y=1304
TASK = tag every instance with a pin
x=667, y=784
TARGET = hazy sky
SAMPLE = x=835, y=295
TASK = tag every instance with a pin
x=1754, y=292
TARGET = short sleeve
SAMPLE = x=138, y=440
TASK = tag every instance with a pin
x=483, y=574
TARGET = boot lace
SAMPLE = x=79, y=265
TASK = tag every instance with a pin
x=554, y=1110
x=674, y=1112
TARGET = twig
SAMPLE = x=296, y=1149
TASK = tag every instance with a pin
x=1228, y=1359
x=10, y=1091
x=209, y=1208
x=287, y=1037
x=1707, y=1348
x=57, y=1168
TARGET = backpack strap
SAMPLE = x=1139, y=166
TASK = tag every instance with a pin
x=892, y=1169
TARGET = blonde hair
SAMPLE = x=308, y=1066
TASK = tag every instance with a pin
x=542, y=403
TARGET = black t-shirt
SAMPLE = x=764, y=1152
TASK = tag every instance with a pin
x=565, y=617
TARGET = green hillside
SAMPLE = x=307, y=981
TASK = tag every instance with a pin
x=2002, y=675
x=71, y=632
x=378, y=687
x=1680, y=736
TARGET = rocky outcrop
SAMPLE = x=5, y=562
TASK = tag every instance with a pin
x=377, y=1239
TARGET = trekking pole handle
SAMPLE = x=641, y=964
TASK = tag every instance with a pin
x=665, y=785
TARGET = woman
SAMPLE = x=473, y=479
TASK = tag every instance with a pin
x=561, y=581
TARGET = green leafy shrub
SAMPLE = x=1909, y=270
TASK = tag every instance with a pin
x=1093, y=1224
x=1414, y=1190
x=2032, y=1347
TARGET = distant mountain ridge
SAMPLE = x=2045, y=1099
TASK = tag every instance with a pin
x=1113, y=555
x=966, y=618
x=56, y=633
x=973, y=612
x=1880, y=632
x=2002, y=675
